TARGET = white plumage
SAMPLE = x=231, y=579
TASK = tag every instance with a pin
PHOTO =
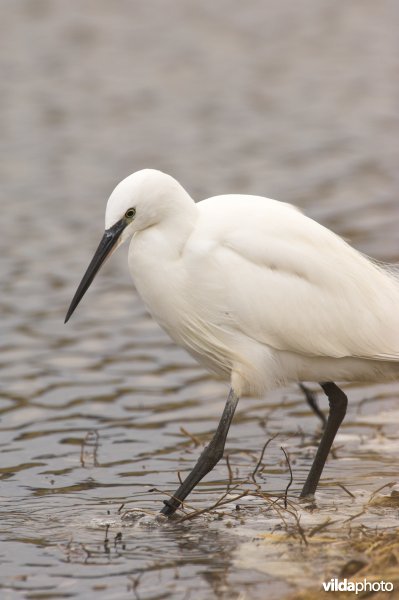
x=257, y=292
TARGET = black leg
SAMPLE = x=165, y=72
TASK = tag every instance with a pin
x=312, y=401
x=208, y=459
x=338, y=403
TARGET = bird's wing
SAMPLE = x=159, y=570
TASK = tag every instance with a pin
x=288, y=282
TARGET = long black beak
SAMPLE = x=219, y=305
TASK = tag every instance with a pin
x=108, y=242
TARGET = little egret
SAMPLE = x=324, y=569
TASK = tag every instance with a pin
x=257, y=292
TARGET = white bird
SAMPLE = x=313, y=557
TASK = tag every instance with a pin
x=257, y=292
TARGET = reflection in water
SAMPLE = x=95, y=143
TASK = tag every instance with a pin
x=291, y=102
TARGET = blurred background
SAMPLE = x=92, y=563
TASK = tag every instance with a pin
x=295, y=101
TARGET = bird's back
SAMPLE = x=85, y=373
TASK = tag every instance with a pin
x=286, y=281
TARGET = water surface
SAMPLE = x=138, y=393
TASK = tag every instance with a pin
x=293, y=102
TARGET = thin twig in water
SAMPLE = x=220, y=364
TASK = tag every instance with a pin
x=230, y=472
x=273, y=505
x=300, y=529
x=106, y=540
x=258, y=464
x=291, y=477
x=320, y=527
x=196, y=441
x=354, y=516
x=220, y=502
x=381, y=488
x=341, y=485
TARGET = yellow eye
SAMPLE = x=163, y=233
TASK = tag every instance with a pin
x=129, y=214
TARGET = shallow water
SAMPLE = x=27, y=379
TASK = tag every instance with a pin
x=298, y=103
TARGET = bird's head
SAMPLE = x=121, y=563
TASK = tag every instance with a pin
x=139, y=201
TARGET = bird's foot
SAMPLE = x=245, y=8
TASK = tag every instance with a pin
x=171, y=505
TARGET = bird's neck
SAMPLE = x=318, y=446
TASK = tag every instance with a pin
x=167, y=238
